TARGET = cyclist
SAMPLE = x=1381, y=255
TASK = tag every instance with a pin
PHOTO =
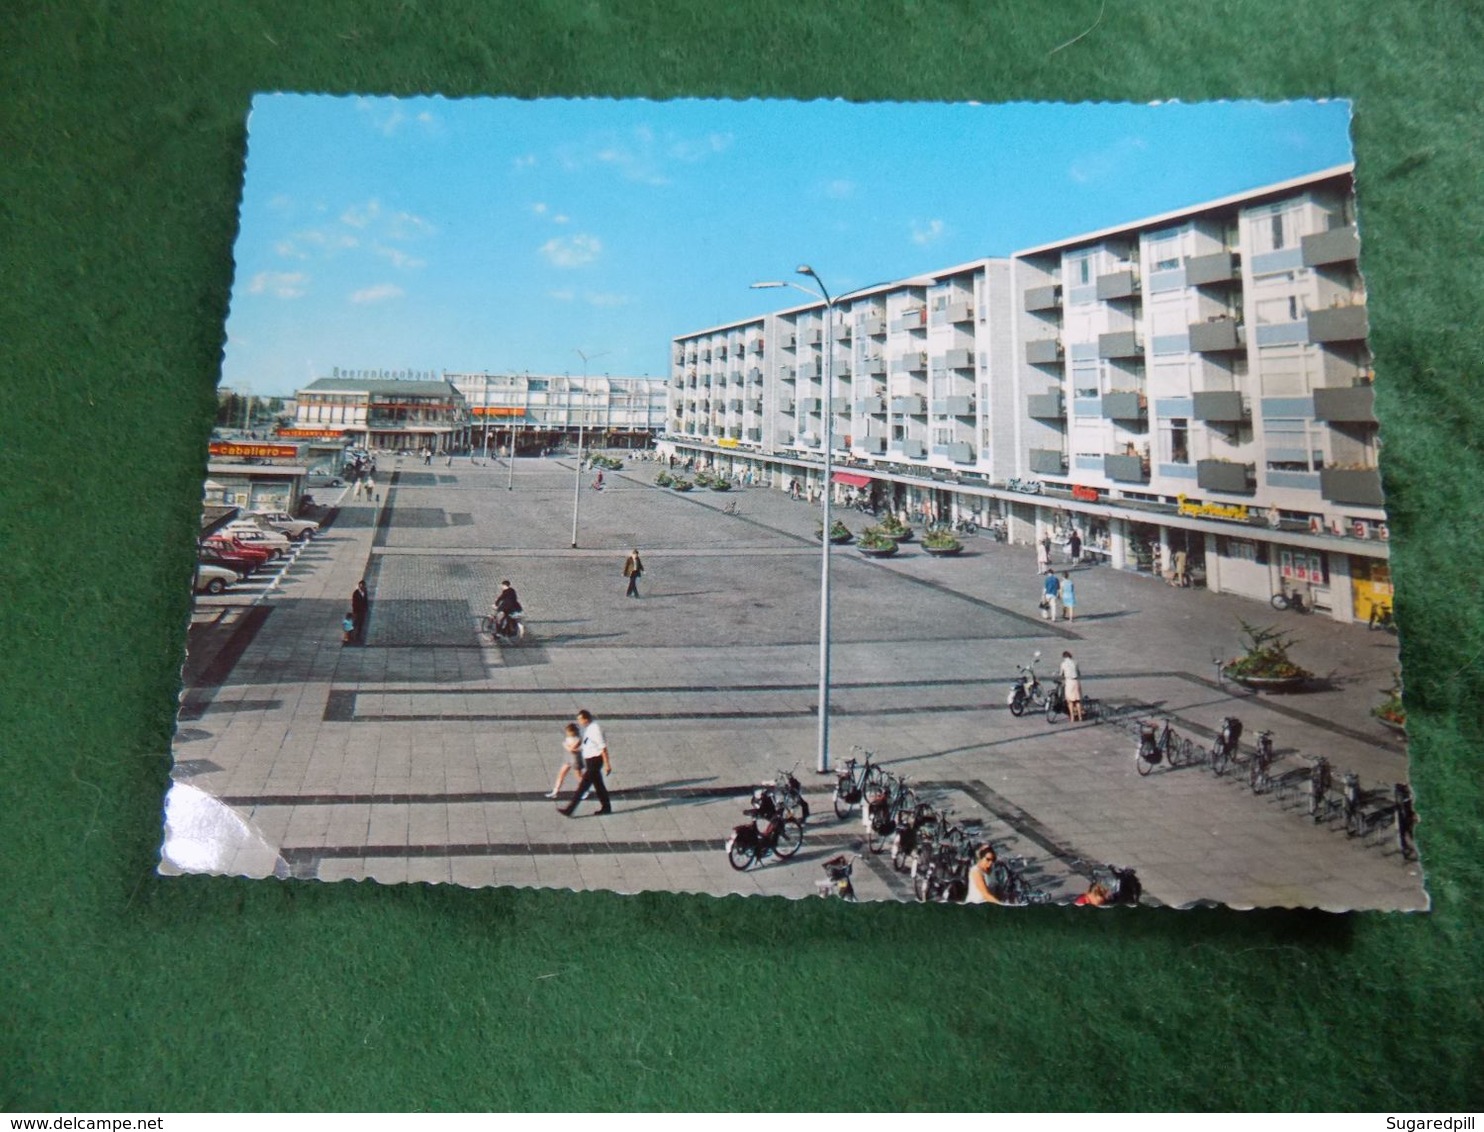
x=506, y=603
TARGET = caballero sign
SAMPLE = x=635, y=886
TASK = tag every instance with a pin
x=255, y=451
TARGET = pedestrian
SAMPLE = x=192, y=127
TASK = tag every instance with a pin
x=348, y=627
x=1074, y=546
x=981, y=886
x=1068, y=596
x=1050, y=592
x=1043, y=557
x=595, y=763
x=1046, y=547
x=360, y=603
x=1179, y=576
x=633, y=570
x=1071, y=677
x=572, y=744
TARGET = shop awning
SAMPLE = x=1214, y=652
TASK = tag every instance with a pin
x=851, y=479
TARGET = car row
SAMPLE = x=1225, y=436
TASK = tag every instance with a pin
x=234, y=551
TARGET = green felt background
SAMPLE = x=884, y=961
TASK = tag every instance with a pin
x=121, y=151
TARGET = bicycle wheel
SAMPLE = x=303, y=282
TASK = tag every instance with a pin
x=1280, y=601
x=899, y=856
x=1017, y=706
x=922, y=883
x=739, y=856
x=876, y=842
x=1219, y=758
x=1142, y=761
x=790, y=837
x=906, y=803
x=1187, y=752
x=842, y=807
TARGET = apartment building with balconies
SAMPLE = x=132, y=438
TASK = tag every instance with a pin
x=1195, y=383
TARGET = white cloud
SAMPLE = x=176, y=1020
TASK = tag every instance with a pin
x=840, y=189
x=607, y=299
x=289, y=250
x=406, y=226
x=559, y=218
x=539, y=208
x=279, y=284
x=362, y=215
x=927, y=233
x=572, y=251
x=398, y=257
x=378, y=294
x=527, y=161
x=565, y=295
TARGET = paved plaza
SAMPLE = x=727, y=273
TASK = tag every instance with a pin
x=426, y=754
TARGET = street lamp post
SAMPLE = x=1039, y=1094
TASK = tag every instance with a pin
x=822, y=761
x=581, y=419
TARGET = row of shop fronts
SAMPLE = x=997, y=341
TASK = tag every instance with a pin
x=1227, y=549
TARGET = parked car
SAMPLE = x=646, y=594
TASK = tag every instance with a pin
x=258, y=535
x=282, y=521
x=222, y=553
x=214, y=579
x=226, y=547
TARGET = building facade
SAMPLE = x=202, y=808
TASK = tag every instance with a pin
x=541, y=411
x=1194, y=384
x=382, y=414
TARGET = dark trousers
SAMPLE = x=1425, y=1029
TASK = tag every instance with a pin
x=633, y=590
x=592, y=778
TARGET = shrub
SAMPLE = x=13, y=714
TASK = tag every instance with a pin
x=1266, y=656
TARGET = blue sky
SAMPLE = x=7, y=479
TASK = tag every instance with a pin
x=501, y=235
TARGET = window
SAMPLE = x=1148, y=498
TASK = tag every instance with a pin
x=1293, y=445
x=1277, y=228
x=1164, y=249
x=1174, y=441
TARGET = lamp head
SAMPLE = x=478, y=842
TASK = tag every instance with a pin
x=805, y=269
x=766, y=285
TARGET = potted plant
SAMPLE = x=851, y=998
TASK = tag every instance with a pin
x=839, y=532
x=681, y=485
x=940, y=542
x=876, y=543
x=664, y=479
x=703, y=478
x=1264, y=664
x=894, y=528
x=719, y=483
x=1389, y=712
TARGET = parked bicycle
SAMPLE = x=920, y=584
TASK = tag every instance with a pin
x=838, y=886
x=1112, y=886
x=1224, y=746
x=1298, y=600
x=1406, y=821
x=1381, y=616
x=731, y=508
x=790, y=794
x=1320, y=778
x=851, y=781
x=1259, y=768
x=771, y=832
x=908, y=833
x=966, y=525
x=886, y=798
x=1160, y=744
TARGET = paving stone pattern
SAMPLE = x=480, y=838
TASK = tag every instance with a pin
x=425, y=754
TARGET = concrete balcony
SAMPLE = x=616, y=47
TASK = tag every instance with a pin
x=1125, y=469
x=734, y=406
x=960, y=312
x=954, y=407
x=1043, y=298
x=1124, y=406
x=1045, y=352
x=755, y=406
x=915, y=319
x=1339, y=324
x=786, y=405
x=755, y=435
x=1048, y=462
x=788, y=373
x=871, y=406
x=871, y=445
x=812, y=337
x=960, y=452
x=839, y=404
x=1217, y=336
x=735, y=432
x=1209, y=270
x=913, y=449
x=912, y=406
x=1047, y=406
x=1226, y=476
x=1118, y=285
x=1358, y=486
x=810, y=404
x=811, y=371
x=809, y=439
x=912, y=363
x=1220, y=406
x=755, y=375
x=959, y=359
x=1338, y=245
x=788, y=341
x=873, y=327
x=875, y=367
x=1120, y=344
x=1355, y=404
x=755, y=346
x=785, y=437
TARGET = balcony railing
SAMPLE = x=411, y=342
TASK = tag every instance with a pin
x=912, y=406
x=954, y=406
x=1118, y=285
x=1338, y=245
x=960, y=452
x=1126, y=469
x=1339, y=324
x=1354, y=404
x=1047, y=406
x=1120, y=344
x=1222, y=406
x=1217, y=335
x=1216, y=268
x=1045, y=352
x=1358, y=486
x=1043, y=298
x=1124, y=405
x=1048, y=462
x=1226, y=476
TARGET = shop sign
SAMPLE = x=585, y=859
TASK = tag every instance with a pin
x=1086, y=494
x=255, y=451
x=1301, y=566
x=727, y=442
x=1236, y=512
x=313, y=433
x=498, y=411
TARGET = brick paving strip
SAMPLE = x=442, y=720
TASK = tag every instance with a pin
x=426, y=755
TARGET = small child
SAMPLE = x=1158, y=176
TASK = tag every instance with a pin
x=572, y=744
x=349, y=627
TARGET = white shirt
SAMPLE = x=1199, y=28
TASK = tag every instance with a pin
x=593, y=743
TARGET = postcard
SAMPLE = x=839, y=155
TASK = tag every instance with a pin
x=963, y=503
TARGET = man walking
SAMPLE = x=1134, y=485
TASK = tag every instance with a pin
x=1074, y=546
x=595, y=763
x=1050, y=592
x=633, y=570
x=360, y=602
